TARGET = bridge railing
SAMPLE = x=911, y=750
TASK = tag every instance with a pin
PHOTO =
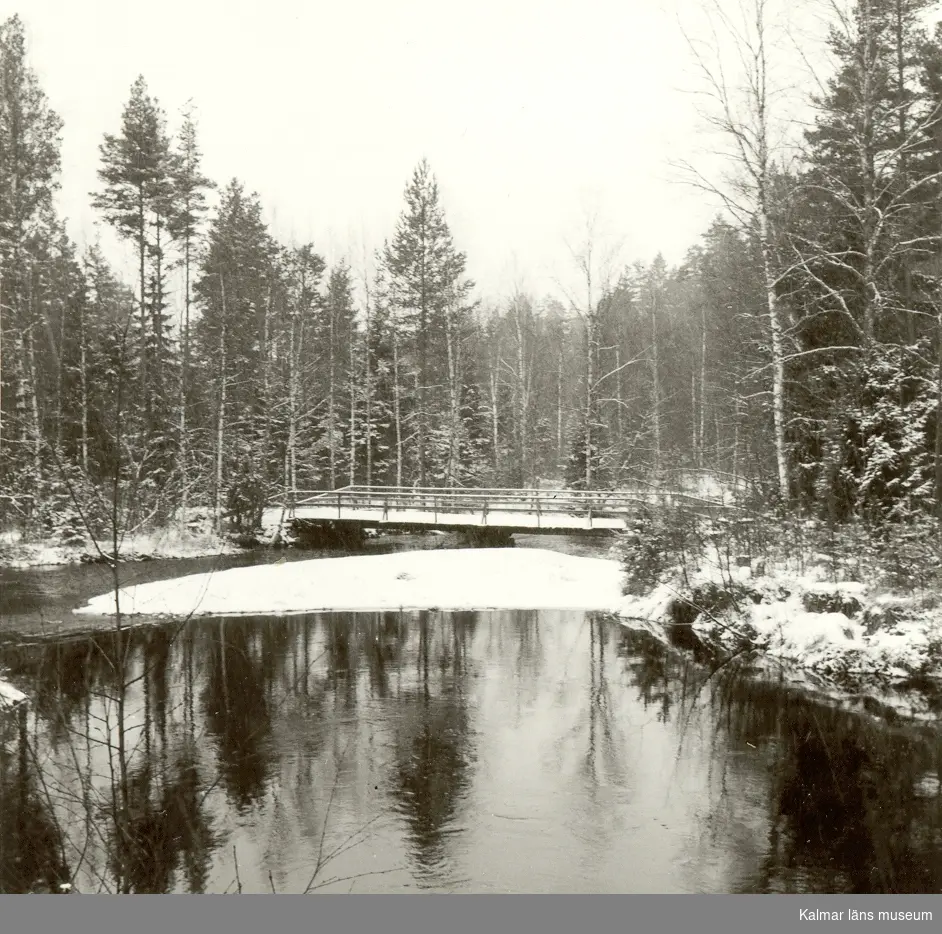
x=598, y=503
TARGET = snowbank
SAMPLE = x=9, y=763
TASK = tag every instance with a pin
x=832, y=628
x=160, y=543
x=9, y=696
x=484, y=578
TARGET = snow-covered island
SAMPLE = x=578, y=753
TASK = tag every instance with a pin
x=838, y=629
x=447, y=579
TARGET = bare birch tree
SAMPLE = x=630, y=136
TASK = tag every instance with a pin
x=740, y=107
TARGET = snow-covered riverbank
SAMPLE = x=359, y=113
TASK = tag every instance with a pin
x=9, y=696
x=172, y=542
x=842, y=630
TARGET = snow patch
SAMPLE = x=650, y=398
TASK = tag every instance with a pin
x=9, y=695
x=172, y=542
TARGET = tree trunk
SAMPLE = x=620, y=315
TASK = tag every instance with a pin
x=938, y=410
x=619, y=405
x=267, y=381
x=397, y=409
x=420, y=444
x=778, y=354
x=184, y=384
x=523, y=395
x=697, y=441
x=83, y=389
x=142, y=284
x=156, y=323
x=454, y=396
x=903, y=118
x=368, y=390
x=221, y=415
x=291, y=452
x=353, y=412
x=59, y=376
x=591, y=324
x=736, y=441
x=421, y=384
x=495, y=414
x=703, y=395
x=331, y=398
x=763, y=218
x=559, y=412
x=35, y=419
x=655, y=385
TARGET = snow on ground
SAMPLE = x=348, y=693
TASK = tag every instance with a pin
x=9, y=696
x=172, y=542
x=833, y=628
x=506, y=578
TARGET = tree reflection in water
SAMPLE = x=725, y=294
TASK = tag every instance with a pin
x=316, y=730
x=854, y=803
x=236, y=709
x=78, y=816
x=432, y=743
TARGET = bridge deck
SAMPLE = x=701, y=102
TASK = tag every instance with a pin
x=448, y=508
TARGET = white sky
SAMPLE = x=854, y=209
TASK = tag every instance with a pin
x=528, y=111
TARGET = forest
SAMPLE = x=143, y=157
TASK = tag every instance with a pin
x=798, y=345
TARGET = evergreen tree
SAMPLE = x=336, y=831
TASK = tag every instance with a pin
x=859, y=232
x=190, y=187
x=237, y=282
x=29, y=167
x=138, y=199
x=429, y=294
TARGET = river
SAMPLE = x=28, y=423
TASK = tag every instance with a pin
x=435, y=752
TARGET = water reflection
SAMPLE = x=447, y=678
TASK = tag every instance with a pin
x=855, y=805
x=501, y=751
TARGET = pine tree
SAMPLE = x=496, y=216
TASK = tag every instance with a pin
x=138, y=199
x=427, y=284
x=190, y=187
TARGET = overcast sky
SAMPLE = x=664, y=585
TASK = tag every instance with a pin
x=529, y=112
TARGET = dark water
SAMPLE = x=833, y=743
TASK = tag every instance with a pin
x=488, y=752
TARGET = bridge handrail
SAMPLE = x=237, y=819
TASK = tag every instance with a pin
x=496, y=499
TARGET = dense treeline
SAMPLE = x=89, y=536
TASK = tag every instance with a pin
x=798, y=344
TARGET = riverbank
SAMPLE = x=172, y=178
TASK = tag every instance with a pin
x=843, y=632
x=170, y=542
x=819, y=627
x=855, y=637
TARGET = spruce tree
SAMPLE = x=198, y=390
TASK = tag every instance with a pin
x=29, y=167
x=426, y=279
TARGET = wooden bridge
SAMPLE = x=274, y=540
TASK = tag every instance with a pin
x=509, y=510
